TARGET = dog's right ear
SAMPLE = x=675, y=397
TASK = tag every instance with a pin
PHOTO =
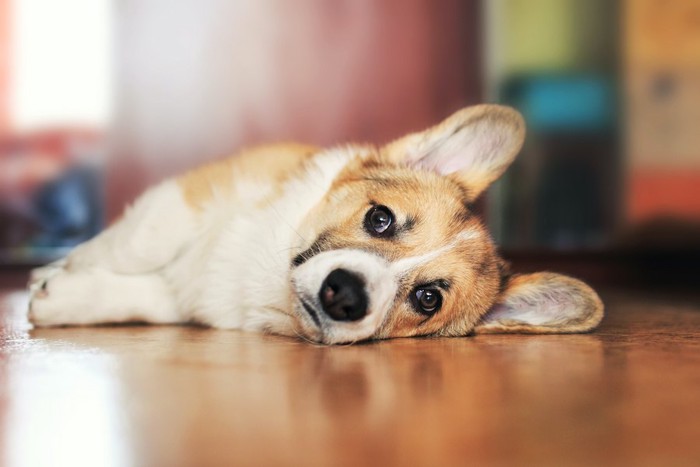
x=475, y=145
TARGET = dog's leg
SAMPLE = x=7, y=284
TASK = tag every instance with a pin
x=93, y=296
x=113, y=277
x=149, y=235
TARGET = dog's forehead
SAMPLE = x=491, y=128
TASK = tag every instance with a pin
x=434, y=202
x=407, y=188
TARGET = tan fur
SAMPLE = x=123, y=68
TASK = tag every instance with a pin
x=277, y=162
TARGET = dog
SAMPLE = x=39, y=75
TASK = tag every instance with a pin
x=336, y=245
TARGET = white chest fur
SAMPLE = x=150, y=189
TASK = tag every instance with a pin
x=235, y=273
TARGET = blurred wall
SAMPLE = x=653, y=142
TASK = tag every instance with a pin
x=4, y=67
x=198, y=80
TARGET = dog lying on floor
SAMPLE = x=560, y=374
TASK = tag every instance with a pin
x=333, y=245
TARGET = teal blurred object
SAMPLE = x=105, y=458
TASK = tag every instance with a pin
x=68, y=210
x=53, y=218
x=563, y=191
x=564, y=102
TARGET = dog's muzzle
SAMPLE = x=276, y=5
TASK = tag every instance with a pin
x=344, y=294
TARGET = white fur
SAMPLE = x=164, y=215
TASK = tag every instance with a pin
x=243, y=267
x=92, y=296
x=150, y=234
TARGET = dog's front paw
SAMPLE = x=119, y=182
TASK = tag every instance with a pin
x=39, y=277
x=56, y=296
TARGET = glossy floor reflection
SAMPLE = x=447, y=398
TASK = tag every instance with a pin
x=628, y=394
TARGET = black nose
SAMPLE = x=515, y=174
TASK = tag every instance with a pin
x=343, y=296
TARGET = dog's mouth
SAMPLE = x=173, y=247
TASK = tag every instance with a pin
x=314, y=326
x=310, y=310
x=308, y=315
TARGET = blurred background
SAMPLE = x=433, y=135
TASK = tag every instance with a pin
x=100, y=98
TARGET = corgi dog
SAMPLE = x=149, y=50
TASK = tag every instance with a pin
x=336, y=245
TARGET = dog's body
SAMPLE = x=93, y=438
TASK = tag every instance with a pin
x=336, y=245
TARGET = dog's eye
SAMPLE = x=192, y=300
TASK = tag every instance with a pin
x=426, y=301
x=379, y=221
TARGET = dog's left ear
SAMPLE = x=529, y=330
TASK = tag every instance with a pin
x=475, y=145
x=543, y=303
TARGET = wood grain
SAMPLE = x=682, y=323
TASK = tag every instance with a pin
x=628, y=394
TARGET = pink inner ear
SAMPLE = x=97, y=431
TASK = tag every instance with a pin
x=468, y=149
x=537, y=306
x=443, y=165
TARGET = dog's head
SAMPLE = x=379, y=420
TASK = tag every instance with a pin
x=396, y=250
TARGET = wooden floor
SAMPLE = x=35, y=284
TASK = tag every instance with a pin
x=627, y=395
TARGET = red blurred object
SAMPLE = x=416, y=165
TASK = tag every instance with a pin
x=36, y=158
x=665, y=193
